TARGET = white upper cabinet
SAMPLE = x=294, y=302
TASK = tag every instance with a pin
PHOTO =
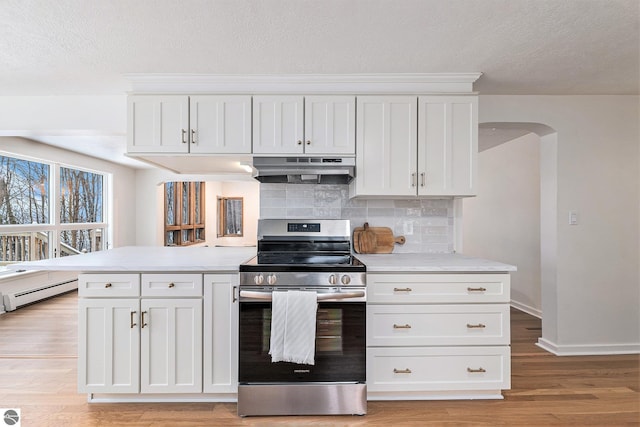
x=205, y=124
x=329, y=125
x=437, y=156
x=278, y=124
x=386, y=146
x=158, y=124
x=220, y=124
x=304, y=125
x=447, y=145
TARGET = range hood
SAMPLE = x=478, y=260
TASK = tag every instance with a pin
x=304, y=170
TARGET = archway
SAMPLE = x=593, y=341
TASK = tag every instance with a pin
x=514, y=217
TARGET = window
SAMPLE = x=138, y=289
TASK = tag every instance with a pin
x=184, y=213
x=49, y=210
x=229, y=216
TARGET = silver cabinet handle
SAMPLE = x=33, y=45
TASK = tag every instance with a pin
x=479, y=325
x=143, y=322
x=132, y=322
x=402, y=289
x=414, y=179
x=184, y=134
x=422, y=179
x=407, y=326
x=473, y=371
x=193, y=136
x=233, y=294
x=401, y=371
x=480, y=289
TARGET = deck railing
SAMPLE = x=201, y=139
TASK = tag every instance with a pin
x=29, y=246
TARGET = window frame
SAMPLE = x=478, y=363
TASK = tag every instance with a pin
x=190, y=226
x=55, y=226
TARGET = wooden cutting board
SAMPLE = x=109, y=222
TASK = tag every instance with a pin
x=374, y=240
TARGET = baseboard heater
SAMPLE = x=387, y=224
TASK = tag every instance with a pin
x=17, y=299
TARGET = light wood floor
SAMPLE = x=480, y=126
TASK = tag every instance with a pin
x=38, y=354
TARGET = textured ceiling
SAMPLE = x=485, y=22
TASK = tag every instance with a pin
x=520, y=46
x=80, y=47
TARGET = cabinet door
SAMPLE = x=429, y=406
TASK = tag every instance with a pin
x=386, y=145
x=278, y=125
x=220, y=333
x=329, y=125
x=158, y=124
x=108, y=345
x=447, y=145
x=220, y=124
x=171, y=346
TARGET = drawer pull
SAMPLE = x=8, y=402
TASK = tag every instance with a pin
x=401, y=371
x=108, y=285
x=172, y=285
x=479, y=325
x=407, y=326
x=480, y=289
x=402, y=289
x=474, y=371
x=132, y=322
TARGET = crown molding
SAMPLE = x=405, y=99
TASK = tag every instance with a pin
x=303, y=83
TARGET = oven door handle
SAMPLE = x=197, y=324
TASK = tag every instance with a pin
x=266, y=296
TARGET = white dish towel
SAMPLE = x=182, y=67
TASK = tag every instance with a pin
x=293, y=327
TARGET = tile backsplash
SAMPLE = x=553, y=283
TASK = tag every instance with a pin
x=427, y=224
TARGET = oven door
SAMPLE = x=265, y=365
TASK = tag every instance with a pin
x=340, y=345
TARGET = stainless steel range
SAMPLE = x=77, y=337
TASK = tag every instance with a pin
x=313, y=256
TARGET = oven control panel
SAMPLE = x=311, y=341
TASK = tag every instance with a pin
x=303, y=227
x=301, y=279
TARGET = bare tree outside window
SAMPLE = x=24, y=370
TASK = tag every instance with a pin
x=24, y=191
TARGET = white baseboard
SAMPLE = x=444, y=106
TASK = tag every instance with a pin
x=527, y=309
x=588, y=350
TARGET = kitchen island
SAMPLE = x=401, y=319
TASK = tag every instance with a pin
x=161, y=324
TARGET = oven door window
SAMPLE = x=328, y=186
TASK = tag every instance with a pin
x=340, y=345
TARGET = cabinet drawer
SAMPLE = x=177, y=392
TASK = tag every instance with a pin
x=417, y=325
x=437, y=288
x=437, y=369
x=172, y=285
x=109, y=285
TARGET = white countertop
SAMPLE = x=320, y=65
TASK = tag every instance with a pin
x=148, y=259
x=422, y=262
x=218, y=259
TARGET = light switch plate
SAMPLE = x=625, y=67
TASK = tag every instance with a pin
x=573, y=218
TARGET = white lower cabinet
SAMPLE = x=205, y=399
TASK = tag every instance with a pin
x=438, y=336
x=108, y=345
x=171, y=345
x=139, y=344
x=221, y=333
x=438, y=368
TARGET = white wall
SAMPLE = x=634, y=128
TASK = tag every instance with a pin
x=503, y=221
x=598, y=284
x=124, y=194
x=150, y=206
